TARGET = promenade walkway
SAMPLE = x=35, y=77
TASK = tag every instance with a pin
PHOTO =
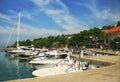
x=105, y=74
x=103, y=52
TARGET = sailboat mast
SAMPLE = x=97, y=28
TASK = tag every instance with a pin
x=18, y=29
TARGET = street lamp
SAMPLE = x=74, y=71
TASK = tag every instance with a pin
x=91, y=37
x=117, y=45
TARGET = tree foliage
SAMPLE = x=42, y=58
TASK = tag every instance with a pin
x=76, y=40
x=93, y=37
x=115, y=44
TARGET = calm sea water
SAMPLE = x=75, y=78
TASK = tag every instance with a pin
x=13, y=67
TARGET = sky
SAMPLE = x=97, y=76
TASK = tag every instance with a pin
x=42, y=18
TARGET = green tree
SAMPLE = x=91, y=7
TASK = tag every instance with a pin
x=118, y=23
x=62, y=40
x=76, y=40
x=115, y=44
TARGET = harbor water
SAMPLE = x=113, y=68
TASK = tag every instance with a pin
x=13, y=67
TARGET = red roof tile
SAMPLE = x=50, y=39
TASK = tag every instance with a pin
x=115, y=29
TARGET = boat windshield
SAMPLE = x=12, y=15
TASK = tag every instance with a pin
x=61, y=56
x=49, y=56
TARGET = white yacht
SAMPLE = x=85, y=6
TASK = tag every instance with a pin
x=22, y=51
x=50, y=59
x=62, y=66
x=63, y=69
x=28, y=53
x=18, y=49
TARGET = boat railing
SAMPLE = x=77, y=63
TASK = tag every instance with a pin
x=72, y=66
x=60, y=62
x=79, y=66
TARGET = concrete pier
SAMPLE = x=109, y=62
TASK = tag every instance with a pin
x=109, y=73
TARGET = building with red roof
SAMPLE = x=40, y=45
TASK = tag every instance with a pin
x=113, y=32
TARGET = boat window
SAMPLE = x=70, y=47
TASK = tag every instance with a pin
x=50, y=56
x=63, y=56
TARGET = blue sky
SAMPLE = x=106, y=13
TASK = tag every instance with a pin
x=41, y=18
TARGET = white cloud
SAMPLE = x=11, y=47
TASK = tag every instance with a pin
x=27, y=15
x=7, y=20
x=60, y=16
x=42, y=2
x=103, y=14
x=54, y=12
x=4, y=30
x=26, y=30
x=36, y=31
x=4, y=18
x=12, y=12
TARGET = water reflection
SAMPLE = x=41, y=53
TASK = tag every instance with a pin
x=14, y=67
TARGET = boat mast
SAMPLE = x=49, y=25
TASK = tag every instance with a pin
x=18, y=29
x=8, y=39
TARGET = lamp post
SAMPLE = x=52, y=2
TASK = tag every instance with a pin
x=91, y=37
x=68, y=38
x=117, y=45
